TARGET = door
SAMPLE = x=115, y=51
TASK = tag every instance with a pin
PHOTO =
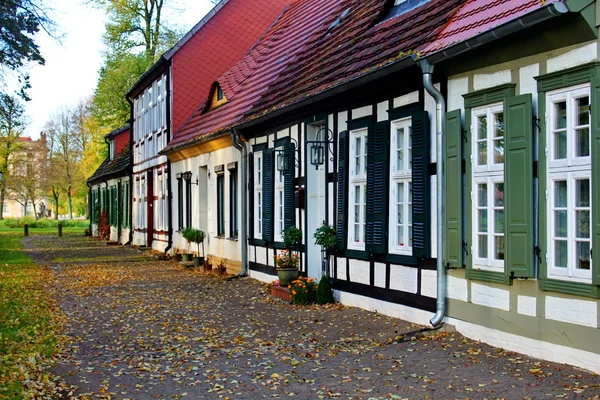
x=150, y=210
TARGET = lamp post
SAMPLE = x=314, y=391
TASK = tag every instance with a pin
x=286, y=156
x=317, y=149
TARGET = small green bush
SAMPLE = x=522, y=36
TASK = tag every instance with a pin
x=44, y=223
x=324, y=291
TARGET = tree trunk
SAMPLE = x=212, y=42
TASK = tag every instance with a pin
x=55, y=206
x=70, y=205
x=34, y=210
x=2, y=203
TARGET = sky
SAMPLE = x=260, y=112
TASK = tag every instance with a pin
x=71, y=70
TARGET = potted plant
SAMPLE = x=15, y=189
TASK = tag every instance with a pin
x=186, y=233
x=326, y=238
x=221, y=268
x=286, y=263
x=292, y=238
x=197, y=236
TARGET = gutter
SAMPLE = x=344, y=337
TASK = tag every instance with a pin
x=238, y=144
x=440, y=125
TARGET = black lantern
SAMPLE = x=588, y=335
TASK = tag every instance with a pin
x=283, y=164
x=317, y=150
x=317, y=155
x=286, y=156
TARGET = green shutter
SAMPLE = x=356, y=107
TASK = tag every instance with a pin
x=342, y=191
x=267, y=187
x=377, y=187
x=249, y=186
x=420, y=185
x=453, y=190
x=595, y=87
x=518, y=184
x=289, y=208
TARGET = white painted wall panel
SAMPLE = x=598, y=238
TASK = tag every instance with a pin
x=433, y=215
x=489, y=296
x=527, y=83
x=429, y=283
x=261, y=255
x=456, y=89
x=573, y=58
x=341, y=269
x=380, y=275
x=406, y=99
x=251, y=254
x=362, y=112
x=382, y=114
x=342, y=118
x=527, y=305
x=573, y=311
x=484, y=81
x=403, y=278
x=359, y=272
x=430, y=107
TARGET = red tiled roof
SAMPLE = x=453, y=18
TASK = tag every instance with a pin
x=363, y=46
x=245, y=82
x=213, y=48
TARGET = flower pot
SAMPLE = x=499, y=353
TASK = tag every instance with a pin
x=186, y=257
x=198, y=261
x=287, y=275
x=176, y=257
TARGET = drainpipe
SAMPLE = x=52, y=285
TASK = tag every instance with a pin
x=238, y=144
x=440, y=110
x=169, y=208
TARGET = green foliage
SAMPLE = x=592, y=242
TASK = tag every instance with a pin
x=325, y=236
x=292, y=237
x=303, y=290
x=43, y=223
x=324, y=291
x=119, y=72
x=196, y=236
x=20, y=20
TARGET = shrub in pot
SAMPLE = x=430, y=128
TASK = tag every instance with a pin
x=197, y=236
x=186, y=233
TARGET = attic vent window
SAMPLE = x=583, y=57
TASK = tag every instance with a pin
x=217, y=98
x=219, y=93
x=339, y=19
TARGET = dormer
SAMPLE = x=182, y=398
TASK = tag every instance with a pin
x=400, y=7
x=216, y=98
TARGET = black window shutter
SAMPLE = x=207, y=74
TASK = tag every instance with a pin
x=342, y=194
x=377, y=187
x=250, y=188
x=453, y=197
x=420, y=185
x=289, y=210
x=267, y=187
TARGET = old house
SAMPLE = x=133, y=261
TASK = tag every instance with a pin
x=167, y=94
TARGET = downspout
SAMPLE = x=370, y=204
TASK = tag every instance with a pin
x=238, y=144
x=440, y=110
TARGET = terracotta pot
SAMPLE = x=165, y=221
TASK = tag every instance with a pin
x=287, y=275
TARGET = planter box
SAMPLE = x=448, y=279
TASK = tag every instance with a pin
x=281, y=292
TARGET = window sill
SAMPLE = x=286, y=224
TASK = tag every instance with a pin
x=568, y=287
x=233, y=238
x=488, y=276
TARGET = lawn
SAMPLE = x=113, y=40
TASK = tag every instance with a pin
x=45, y=227
x=29, y=322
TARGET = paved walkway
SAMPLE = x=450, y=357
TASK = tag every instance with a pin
x=147, y=329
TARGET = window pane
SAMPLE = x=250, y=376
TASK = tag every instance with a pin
x=560, y=223
x=400, y=194
x=583, y=255
x=499, y=248
x=400, y=236
x=499, y=221
x=482, y=153
x=583, y=142
x=560, y=145
x=499, y=151
x=482, y=195
x=482, y=218
x=583, y=111
x=582, y=193
x=483, y=246
x=482, y=124
x=560, y=193
x=499, y=194
x=400, y=148
x=582, y=224
x=560, y=115
x=560, y=254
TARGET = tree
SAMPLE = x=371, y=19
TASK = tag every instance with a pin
x=135, y=26
x=26, y=180
x=117, y=75
x=20, y=20
x=12, y=123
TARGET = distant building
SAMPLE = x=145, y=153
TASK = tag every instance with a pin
x=24, y=182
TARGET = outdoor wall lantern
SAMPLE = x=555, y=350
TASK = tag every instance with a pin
x=187, y=176
x=284, y=156
x=317, y=150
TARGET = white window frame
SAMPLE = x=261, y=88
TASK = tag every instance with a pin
x=570, y=169
x=490, y=174
x=258, y=173
x=279, y=209
x=400, y=179
x=357, y=189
